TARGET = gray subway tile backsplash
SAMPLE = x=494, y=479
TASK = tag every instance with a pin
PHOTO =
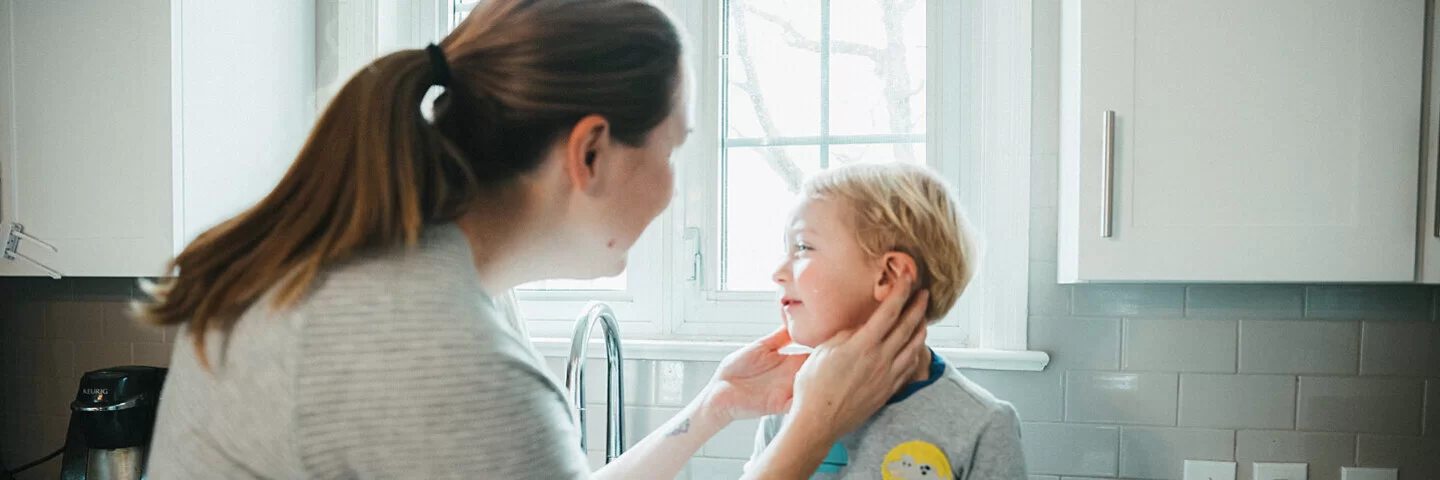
x=121, y=325
x=1180, y=345
x=1324, y=452
x=156, y=354
x=1417, y=458
x=1400, y=348
x=1299, y=347
x=1036, y=396
x=1071, y=449
x=1121, y=397
x=1044, y=239
x=735, y=441
x=97, y=355
x=76, y=320
x=1081, y=343
x=1406, y=303
x=18, y=357
x=56, y=359
x=715, y=469
x=16, y=320
x=1361, y=405
x=1147, y=452
x=1237, y=401
x=1245, y=301
x=1046, y=297
x=1129, y=300
x=102, y=289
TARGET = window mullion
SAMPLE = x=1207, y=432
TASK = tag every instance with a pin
x=824, y=84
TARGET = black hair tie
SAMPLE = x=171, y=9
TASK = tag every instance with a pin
x=438, y=66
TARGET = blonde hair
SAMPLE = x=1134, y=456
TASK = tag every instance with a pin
x=908, y=209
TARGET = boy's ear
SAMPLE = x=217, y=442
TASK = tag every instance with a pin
x=893, y=267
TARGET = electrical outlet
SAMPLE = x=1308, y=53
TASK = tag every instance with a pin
x=1207, y=470
x=1280, y=471
x=1355, y=473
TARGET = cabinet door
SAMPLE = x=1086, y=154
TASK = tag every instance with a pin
x=247, y=103
x=1429, y=235
x=88, y=156
x=1253, y=141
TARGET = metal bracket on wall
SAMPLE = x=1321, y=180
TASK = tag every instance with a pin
x=12, y=248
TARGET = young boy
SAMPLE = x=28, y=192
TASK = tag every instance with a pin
x=856, y=229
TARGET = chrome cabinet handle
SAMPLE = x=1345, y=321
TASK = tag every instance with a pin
x=1107, y=182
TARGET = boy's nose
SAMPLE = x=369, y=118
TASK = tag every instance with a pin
x=782, y=274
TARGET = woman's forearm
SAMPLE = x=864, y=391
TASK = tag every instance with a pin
x=666, y=450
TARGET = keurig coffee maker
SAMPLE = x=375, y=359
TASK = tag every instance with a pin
x=110, y=423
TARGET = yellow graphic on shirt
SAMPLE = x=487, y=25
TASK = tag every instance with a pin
x=916, y=460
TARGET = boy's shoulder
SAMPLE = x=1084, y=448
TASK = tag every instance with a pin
x=953, y=402
x=958, y=392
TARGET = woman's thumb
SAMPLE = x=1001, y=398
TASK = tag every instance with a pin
x=779, y=338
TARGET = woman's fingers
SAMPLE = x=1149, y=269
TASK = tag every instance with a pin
x=910, y=321
x=779, y=338
x=880, y=324
x=909, y=357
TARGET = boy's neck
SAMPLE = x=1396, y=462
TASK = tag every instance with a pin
x=922, y=369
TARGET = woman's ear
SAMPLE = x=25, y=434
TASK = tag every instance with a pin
x=584, y=148
x=893, y=267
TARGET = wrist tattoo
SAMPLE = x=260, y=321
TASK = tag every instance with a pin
x=679, y=429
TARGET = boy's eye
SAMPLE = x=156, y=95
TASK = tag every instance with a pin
x=800, y=247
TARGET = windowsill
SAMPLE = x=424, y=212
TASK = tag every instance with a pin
x=714, y=351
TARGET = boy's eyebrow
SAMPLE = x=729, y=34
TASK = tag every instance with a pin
x=806, y=230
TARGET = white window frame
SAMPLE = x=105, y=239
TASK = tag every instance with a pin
x=993, y=143
x=978, y=121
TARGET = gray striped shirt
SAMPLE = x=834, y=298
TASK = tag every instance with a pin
x=396, y=365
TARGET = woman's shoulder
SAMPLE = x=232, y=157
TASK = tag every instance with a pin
x=429, y=290
x=439, y=265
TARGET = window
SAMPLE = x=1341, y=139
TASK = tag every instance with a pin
x=809, y=84
x=789, y=88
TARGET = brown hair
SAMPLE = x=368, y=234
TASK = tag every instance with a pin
x=909, y=209
x=375, y=172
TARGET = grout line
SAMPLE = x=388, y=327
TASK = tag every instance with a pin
x=1185, y=302
x=1124, y=322
x=1296, y=402
x=1359, y=347
x=1305, y=302
x=1236, y=369
x=1179, y=396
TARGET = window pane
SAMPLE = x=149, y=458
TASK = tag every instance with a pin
x=913, y=153
x=756, y=204
x=773, y=69
x=877, y=67
x=875, y=52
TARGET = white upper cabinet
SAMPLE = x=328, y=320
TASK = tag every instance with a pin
x=1251, y=141
x=129, y=127
x=1429, y=235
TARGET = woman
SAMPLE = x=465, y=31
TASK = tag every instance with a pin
x=356, y=323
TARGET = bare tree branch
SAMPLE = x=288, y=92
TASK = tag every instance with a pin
x=890, y=65
x=896, y=73
x=775, y=157
x=794, y=38
x=919, y=87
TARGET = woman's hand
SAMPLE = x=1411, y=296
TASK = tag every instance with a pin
x=848, y=378
x=755, y=380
